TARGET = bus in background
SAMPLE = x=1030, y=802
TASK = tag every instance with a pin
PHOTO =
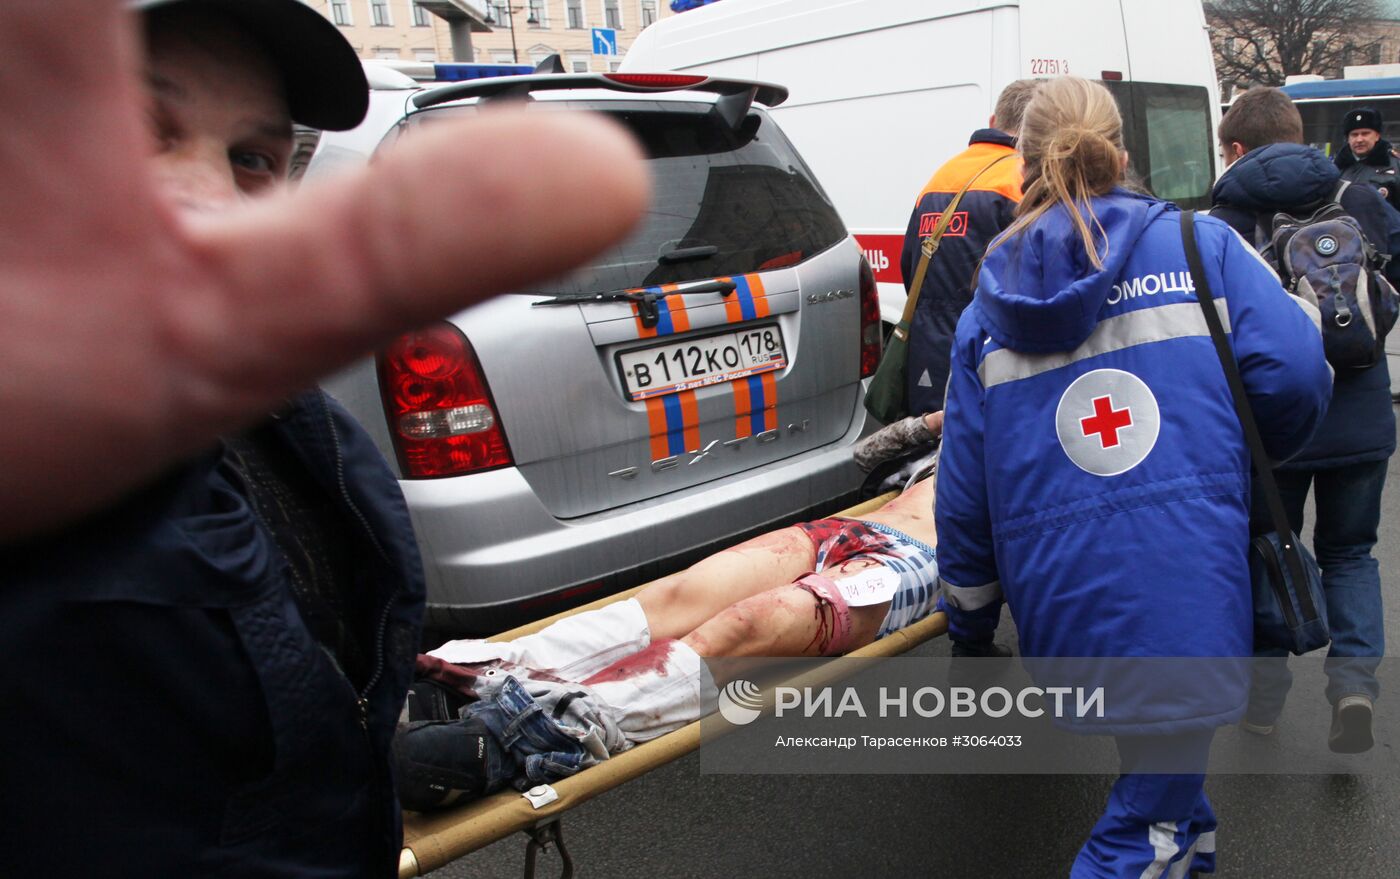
x=884, y=91
x=1323, y=103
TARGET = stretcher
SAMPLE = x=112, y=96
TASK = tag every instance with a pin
x=432, y=840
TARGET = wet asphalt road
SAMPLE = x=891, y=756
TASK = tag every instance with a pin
x=677, y=822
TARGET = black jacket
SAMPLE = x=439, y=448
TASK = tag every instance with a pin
x=1360, y=424
x=986, y=209
x=167, y=711
x=1380, y=170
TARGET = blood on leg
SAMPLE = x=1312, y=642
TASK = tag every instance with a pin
x=787, y=621
x=680, y=603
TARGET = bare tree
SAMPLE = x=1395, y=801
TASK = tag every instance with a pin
x=1263, y=41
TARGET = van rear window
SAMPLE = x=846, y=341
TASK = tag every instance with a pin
x=1166, y=129
x=724, y=201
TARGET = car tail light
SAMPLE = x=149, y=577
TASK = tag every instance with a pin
x=656, y=80
x=871, y=333
x=439, y=407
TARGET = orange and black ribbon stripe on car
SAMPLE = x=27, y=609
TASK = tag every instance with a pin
x=749, y=302
x=755, y=404
x=674, y=419
x=675, y=424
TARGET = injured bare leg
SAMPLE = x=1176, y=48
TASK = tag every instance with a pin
x=677, y=604
x=581, y=645
x=659, y=690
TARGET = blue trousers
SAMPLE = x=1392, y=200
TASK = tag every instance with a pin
x=1156, y=825
x=542, y=751
x=1348, y=501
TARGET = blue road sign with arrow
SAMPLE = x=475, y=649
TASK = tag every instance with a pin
x=604, y=41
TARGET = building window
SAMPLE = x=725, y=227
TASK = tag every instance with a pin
x=648, y=12
x=340, y=13
x=379, y=12
x=613, y=66
x=420, y=16
x=426, y=56
x=502, y=58
x=386, y=53
x=576, y=14
x=612, y=16
x=578, y=63
x=500, y=15
x=537, y=12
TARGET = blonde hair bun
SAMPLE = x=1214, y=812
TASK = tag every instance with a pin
x=1072, y=142
x=1092, y=156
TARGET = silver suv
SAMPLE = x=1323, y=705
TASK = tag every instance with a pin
x=697, y=383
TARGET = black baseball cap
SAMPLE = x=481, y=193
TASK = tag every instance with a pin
x=325, y=83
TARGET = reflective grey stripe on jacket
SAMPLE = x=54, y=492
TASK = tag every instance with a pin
x=970, y=597
x=1162, y=837
x=1155, y=324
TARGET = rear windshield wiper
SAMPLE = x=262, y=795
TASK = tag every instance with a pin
x=686, y=254
x=645, y=299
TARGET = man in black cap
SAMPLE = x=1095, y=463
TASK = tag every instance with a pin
x=1367, y=157
x=134, y=334
x=203, y=678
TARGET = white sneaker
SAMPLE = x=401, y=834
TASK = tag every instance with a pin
x=1258, y=729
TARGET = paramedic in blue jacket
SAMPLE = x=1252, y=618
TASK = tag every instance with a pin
x=204, y=678
x=1093, y=470
x=1270, y=170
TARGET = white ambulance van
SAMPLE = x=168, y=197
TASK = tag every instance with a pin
x=884, y=91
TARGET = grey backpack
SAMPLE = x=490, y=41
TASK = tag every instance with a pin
x=1324, y=258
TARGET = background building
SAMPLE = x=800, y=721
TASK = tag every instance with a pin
x=408, y=30
x=1262, y=42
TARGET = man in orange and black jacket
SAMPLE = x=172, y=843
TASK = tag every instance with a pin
x=986, y=209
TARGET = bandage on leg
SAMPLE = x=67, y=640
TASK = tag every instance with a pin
x=572, y=648
x=834, y=626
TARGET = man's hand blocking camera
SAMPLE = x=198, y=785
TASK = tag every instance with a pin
x=135, y=330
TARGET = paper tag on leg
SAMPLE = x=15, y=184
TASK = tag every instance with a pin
x=875, y=585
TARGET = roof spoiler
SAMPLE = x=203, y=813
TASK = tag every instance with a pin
x=550, y=64
x=736, y=95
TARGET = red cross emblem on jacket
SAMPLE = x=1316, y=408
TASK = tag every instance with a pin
x=1106, y=422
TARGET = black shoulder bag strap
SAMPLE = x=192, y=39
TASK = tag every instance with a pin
x=1262, y=466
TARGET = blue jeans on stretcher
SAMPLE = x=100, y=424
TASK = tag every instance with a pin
x=541, y=751
x=1155, y=825
x=1348, y=501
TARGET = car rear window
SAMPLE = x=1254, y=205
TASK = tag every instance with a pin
x=724, y=201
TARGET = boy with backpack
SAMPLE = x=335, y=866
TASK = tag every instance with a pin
x=1334, y=243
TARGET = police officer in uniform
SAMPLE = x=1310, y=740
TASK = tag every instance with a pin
x=1368, y=157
